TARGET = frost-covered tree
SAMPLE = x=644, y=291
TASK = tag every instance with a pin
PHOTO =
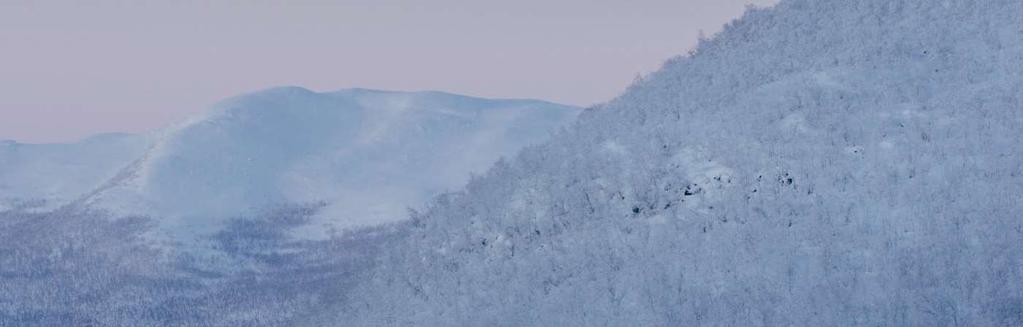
x=818, y=163
x=76, y=267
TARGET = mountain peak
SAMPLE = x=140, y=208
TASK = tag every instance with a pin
x=354, y=149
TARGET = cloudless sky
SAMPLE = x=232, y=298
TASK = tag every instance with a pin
x=69, y=69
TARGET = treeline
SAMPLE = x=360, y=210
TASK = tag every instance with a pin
x=81, y=268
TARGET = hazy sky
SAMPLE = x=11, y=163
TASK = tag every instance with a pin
x=73, y=68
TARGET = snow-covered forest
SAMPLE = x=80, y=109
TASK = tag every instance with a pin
x=817, y=163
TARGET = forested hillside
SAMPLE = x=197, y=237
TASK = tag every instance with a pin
x=819, y=163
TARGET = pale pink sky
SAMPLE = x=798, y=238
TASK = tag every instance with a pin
x=70, y=69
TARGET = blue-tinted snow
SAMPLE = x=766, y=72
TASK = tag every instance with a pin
x=819, y=163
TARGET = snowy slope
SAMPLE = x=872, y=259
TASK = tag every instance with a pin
x=819, y=163
x=49, y=175
x=369, y=155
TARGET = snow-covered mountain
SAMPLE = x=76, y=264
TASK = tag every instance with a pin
x=818, y=163
x=44, y=176
x=369, y=155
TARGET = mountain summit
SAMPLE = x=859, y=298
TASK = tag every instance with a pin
x=368, y=155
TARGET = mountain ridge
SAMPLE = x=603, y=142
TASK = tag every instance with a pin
x=288, y=145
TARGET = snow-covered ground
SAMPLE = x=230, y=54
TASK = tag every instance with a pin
x=45, y=176
x=368, y=155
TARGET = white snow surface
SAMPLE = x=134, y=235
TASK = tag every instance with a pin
x=368, y=155
x=45, y=176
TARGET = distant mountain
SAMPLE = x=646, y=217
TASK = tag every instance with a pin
x=818, y=163
x=368, y=155
x=45, y=176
